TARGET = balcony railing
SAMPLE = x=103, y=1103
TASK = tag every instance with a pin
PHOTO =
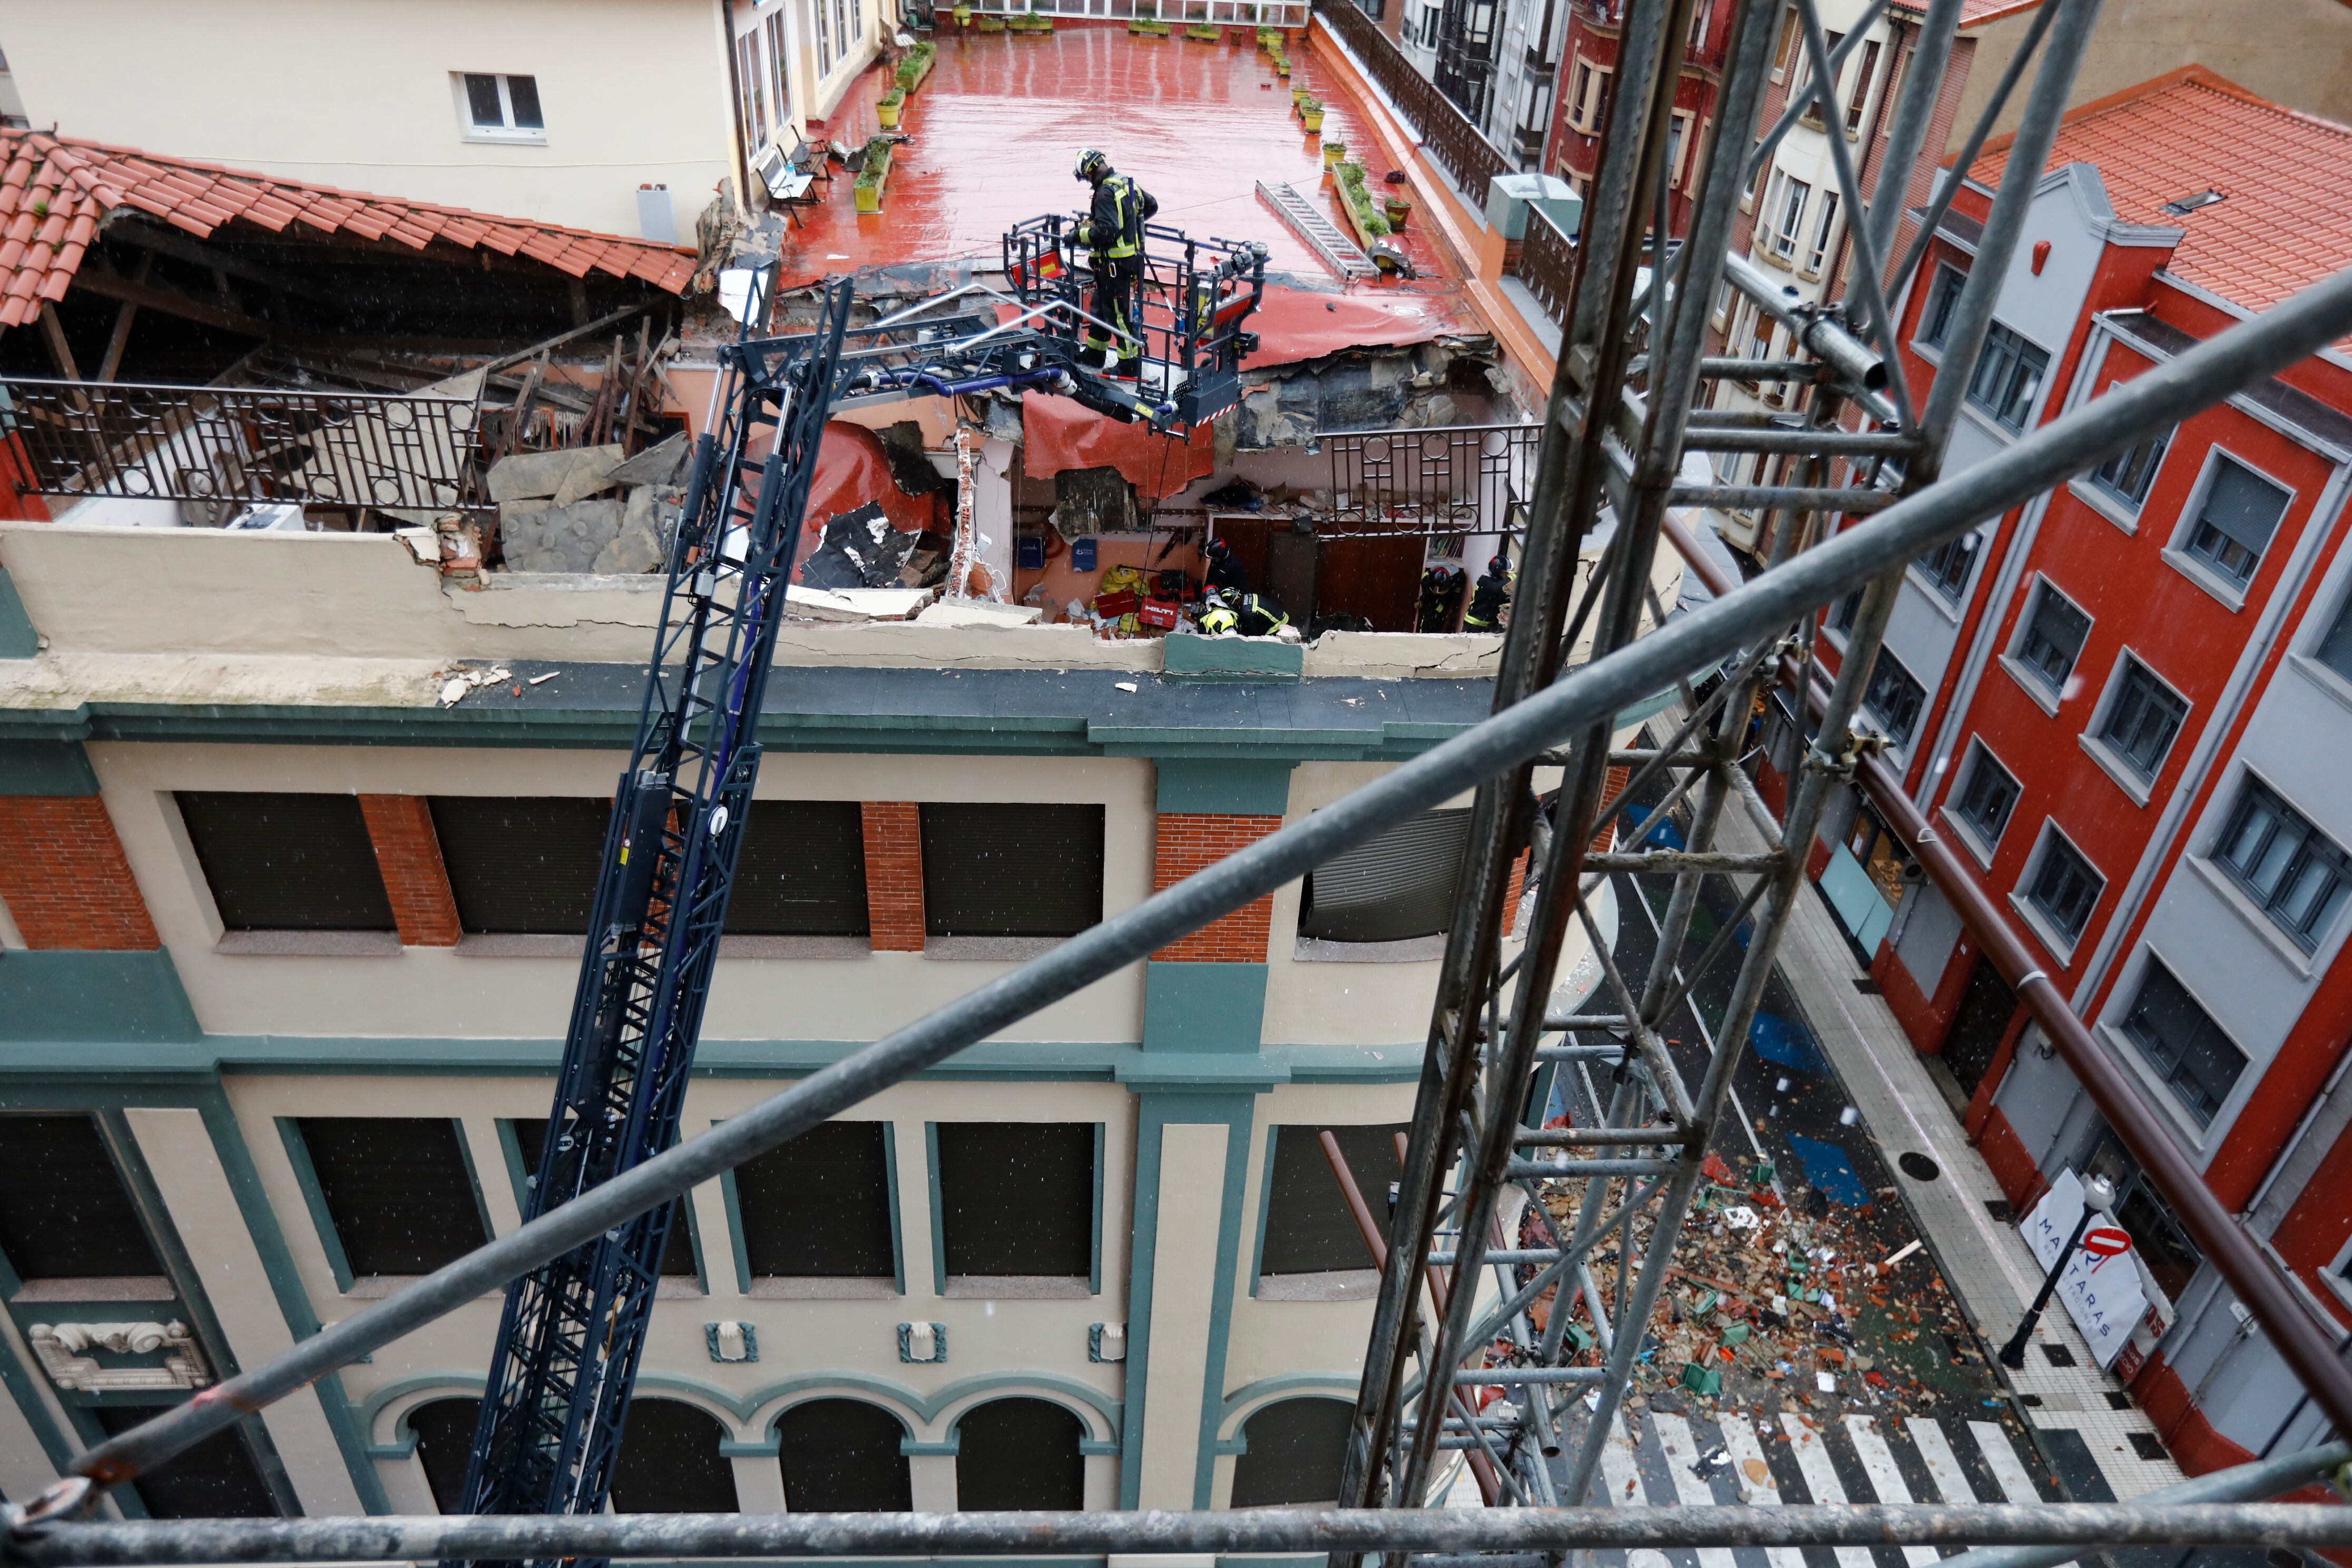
x=1457, y=144
x=1291, y=13
x=1443, y=481
x=1546, y=259
x=235, y=444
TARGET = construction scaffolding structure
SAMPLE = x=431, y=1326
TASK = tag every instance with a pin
x=1622, y=442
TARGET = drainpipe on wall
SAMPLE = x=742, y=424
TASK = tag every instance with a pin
x=736, y=159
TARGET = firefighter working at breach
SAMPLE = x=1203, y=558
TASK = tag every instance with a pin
x=1112, y=231
x=1251, y=615
x=1489, y=597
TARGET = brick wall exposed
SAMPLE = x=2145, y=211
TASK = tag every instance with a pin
x=894, y=874
x=64, y=878
x=1189, y=841
x=408, y=854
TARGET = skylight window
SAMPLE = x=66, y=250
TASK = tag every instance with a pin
x=2187, y=205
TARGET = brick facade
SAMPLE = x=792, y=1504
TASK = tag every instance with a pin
x=64, y=878
x=894, y=874
x=1188, y=841
x=408, y=854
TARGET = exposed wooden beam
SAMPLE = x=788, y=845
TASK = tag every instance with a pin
x=186, y=248
x=53, y=332
x=124, y=315
x=170, y=301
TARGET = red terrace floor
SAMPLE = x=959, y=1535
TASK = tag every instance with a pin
x=998, y=127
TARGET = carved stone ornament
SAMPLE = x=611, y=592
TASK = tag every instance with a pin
x=64, y=1351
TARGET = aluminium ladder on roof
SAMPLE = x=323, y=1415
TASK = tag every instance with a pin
x=1326, y=238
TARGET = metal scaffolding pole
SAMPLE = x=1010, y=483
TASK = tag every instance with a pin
x=1621, y=422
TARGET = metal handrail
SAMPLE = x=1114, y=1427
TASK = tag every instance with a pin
x=1448, y=135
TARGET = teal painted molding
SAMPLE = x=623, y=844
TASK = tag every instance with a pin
x=19, y=639
x=1205, y=1071
x=1250, y=1396
x=1223, y=787
x=314, y=1198
x=1265, y=1208
x=735, y=1233
x=1203, y=1009
x=1234, y=658
x=897, y=1228
x=912, y=1449
x=1104, y=1446
x=451, y=1384
x=1231, y=1448
x=510, y=1147
x=1093, y=1268
x=939, y=1215
x=44, y=767
x=72, y=999
x=1220, y=1303
x=1157, y=1109
x=473, y=1179
x=766, y=1448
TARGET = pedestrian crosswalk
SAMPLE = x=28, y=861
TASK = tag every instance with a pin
x=1660, y=1458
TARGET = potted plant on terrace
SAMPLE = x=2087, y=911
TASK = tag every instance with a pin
x=916, y=64
x=873, y=172
x=1397, y=209
x=887, y=106
x=1310, y=109
x=1333, y=152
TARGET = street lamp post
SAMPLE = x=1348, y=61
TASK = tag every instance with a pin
x=2099, y=1198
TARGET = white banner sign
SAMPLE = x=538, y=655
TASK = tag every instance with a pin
x=2100, y=1285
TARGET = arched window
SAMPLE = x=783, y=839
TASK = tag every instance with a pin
x=670, y=1463
x=445, y=1441
x=1019, y=1454
x=1295, y=1446
x=841, y=1456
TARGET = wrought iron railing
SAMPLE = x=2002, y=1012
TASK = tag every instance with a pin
x=1546, y=258
x=1454, y=479
x=244, y=444
x=1452, y=140
x=1287, y=14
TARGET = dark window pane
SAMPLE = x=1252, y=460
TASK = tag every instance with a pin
x=445, y=1442
x=1947, y=565
x=1012, y=871
x=841, y=1456
x=1894, y=697
x=286, y=862
x=2007, y=378
x=2143, y=720
x=482, y=101
x=1399, y=885
x=397, y=1189
x=670, y=1463
x=522, y=91
x=1019, y=1454
x=2065, y=887
x=522, y=865
x=2296, y=874
x=819, y=1207
x=2234, y=524
x=2182, y=1042
x=2053, y=638
x=65, y=1213
x=2128, y=474
x=1018, y=1197
x=802, y=871
x=2335, y=649
x=1292, y=1455
x=677, y=1251
x=1990, y=794
x=1938, y=321
x=1308, y=1227
x=216, y=1479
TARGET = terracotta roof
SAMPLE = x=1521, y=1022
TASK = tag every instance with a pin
x=56, y=192
x=2285, y=179
x=1974, y=13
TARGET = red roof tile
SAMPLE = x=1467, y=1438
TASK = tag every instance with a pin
x=78, y=184
x=1974, y=13
x=2285, y=178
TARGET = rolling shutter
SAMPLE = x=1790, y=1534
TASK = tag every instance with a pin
x=802, y=871
x=286, y=862
x=522, y=865
x=1012, y=871
x=1399, y=886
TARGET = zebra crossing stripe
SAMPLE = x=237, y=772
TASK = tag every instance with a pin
x=1682, y=1462
x=2010, y=1476
x=1885, y=1479
x=1619, y=1473
x=1943, y=1465
x=1756, y=1478
x=1820, y=1479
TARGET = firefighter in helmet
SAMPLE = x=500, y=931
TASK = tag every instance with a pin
x=1112, y=232
x=1250, y=615
x=1488, y=599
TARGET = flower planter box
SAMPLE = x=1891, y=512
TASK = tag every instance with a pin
x=1147, y=28
x=1033, y=27
x=916, y=67
x=1204, y=34
x=1353, y=173
x=991, y=23
x=873, y=175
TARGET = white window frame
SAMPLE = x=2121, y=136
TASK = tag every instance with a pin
x=1825, y=236
x=2061, y=946
x=508, y=133
x=1682, y=125
x=1592, y=89
x=1857, y=103
x=1782, y=221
